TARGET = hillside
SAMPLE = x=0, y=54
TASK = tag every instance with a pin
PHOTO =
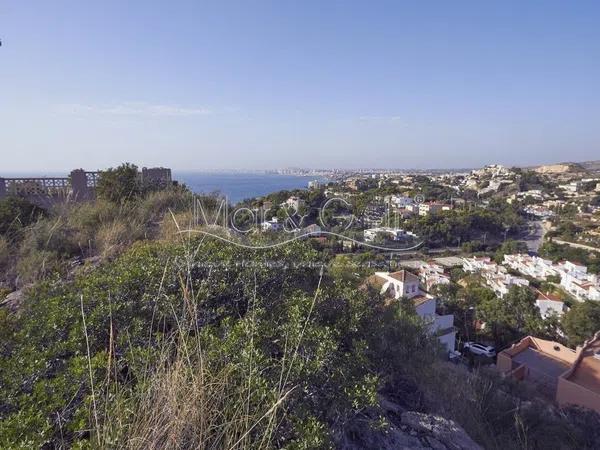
x=130, y=334
x=561, y=168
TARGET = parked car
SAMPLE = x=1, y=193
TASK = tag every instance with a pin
x=480, y=349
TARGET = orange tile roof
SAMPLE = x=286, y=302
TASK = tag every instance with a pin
x=404, y=276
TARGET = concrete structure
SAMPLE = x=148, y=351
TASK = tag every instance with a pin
x=80, y=185
x=293, y=202
x=404, y=284
x=571, y=377
x=47, y=191
x=156, y=176
x=532, y=266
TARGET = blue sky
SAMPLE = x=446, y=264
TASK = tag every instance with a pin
x=257, y=84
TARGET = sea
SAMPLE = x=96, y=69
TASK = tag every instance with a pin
x=240, y=186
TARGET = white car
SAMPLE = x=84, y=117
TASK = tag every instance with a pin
x=480, y=349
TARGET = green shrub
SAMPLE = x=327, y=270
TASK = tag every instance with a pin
x=119, y=184
x=16, y=213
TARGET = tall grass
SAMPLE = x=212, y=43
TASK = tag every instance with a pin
x=82, y=230
x=194, y=394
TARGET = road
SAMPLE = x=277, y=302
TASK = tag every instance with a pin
x=534, y=236
x=573, y=244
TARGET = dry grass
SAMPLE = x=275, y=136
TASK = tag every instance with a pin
x=193, y=396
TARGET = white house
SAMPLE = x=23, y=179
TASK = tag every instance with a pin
x=272, y=225
x=532, y=266
x=477, y=264
x=401, y=201
x=573, y=276
x=394, y=234
x=495, y=276
x=294, y=202
x=404, y=284
x=549, y=304
x=432, y=274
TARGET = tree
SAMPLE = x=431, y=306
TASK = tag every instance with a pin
x=512, y=316
x=581, y=322
x=119, y=184
x=509, y=247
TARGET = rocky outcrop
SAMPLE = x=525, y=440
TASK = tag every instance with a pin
x=559, y=168
x=438, y=432
x=407, y=430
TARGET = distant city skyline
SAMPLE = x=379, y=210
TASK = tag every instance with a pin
x=269, y=85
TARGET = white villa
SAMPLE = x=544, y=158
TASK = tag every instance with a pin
x=272, y=225
x=532, y=266
x=395, y=234
x=404, y=284
x=549, y=304
x=496, y=277
x=432, y=274
x=574, y=277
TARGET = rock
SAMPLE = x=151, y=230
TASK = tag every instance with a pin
x=392, y=439
x=435, y=444
x=13, y=300
x=390, y=406
x=559, y=168
x=445, y=431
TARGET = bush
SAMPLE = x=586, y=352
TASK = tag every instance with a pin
x=119, y=184
x=16, y=213
x=189, y=349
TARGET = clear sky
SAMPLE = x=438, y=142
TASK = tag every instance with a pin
x=257, y=84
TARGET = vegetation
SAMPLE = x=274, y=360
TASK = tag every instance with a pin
x=558, y=252
x=137, y=335
x=582, y=321
x=15, y=214
x=463, y=225
x=119, y=184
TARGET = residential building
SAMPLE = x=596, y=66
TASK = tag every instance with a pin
x=549, y=305
x=314, y=184
x=570, y=377
x=272, y=225
x=432, y=208
x=432, y=274
x=394, y=234
x=294, y=202
x=495, y=276
x=539, y=211
x=401, y=201
x=477, y=264
x=532, y=266
x=404, y=284
x=573, y=276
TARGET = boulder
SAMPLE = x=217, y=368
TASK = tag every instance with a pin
x=443, y=431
